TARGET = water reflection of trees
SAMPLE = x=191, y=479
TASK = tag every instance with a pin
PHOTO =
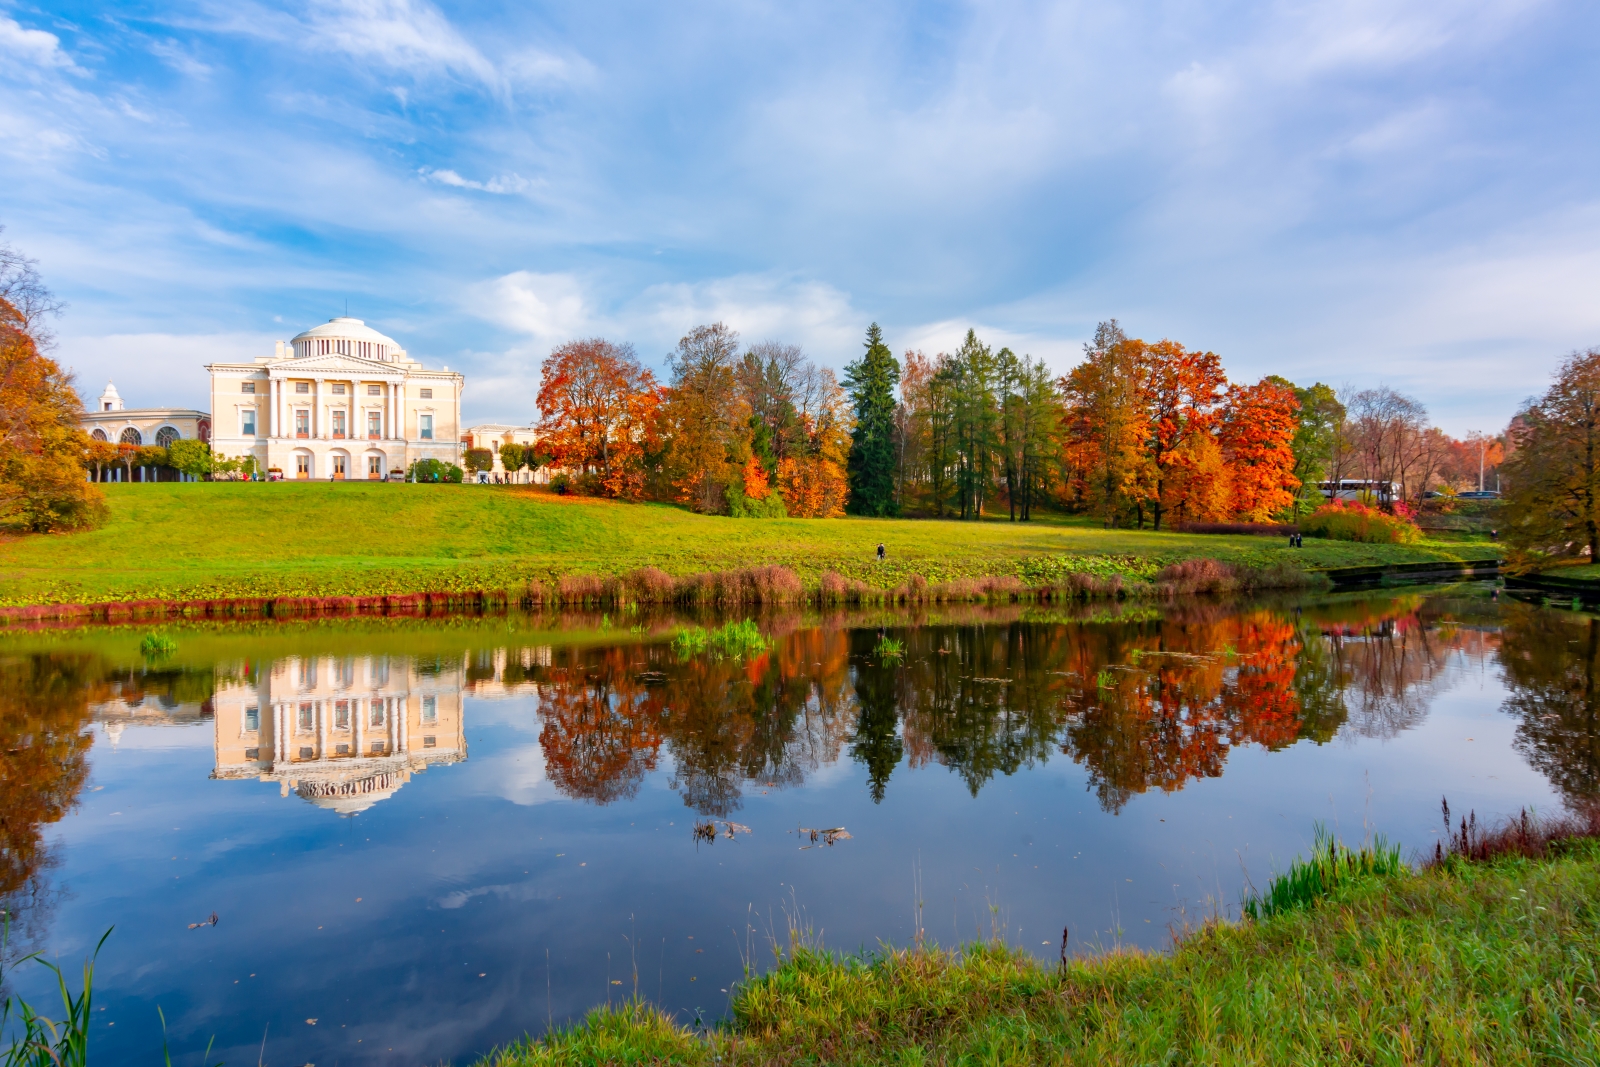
x=1143, y=701
x=44, y=746
x=1552, y=665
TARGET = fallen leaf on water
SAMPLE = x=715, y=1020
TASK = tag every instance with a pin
x=311, y=1022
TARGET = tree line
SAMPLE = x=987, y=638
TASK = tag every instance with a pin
x=1138, y=434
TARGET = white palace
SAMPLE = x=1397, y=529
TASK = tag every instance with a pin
x=340, y=401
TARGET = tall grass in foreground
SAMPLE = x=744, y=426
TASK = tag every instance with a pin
x=1331, y=864
x=41, y=1041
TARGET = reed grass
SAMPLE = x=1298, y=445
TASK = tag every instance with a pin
x=736, y=640
x=1331, y=864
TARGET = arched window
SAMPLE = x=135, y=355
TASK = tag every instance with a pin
x=99, y=435
x=166, y=435
x=130, y=436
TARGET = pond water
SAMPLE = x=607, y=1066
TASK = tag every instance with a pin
x=424, y=838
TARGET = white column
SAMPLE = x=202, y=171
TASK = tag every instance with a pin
x=400, y=411
x=359, y=724
x=319, y=418
x=322, y=729
x=402, y=728
x=277, y=407
x=279, y=746
x=389, y=408
x=394, y=730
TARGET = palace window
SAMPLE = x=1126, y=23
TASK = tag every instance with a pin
x=302, y=466
x=338, y=424
x=425, y=427
x=341, y=750
x=247, y=422
x=338, y=466
x=374, y=390
x=374, y=466
x=376, y=718
x=252, y=718
x=302, y=423
x=430, y=709
x=428, y=741
x=165, y=436
x=308, y=674
x=338, y=389
x=306, y=753
x=302, y=387
x=247, y=387
x=99, y=435
x=426, y=394
x=341, y=715
x=306, y=721
x=252, y=753
x=378, y=748
x=374, y=424
x=130, y=436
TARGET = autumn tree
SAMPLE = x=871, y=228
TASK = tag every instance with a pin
x=812, y=475
x=597, y=408
x=871, y=381
x=705, y=422
x=1257, y=439
x=43, y=486
x=1105, y=426
x=1553, y=503
x=1180, y=391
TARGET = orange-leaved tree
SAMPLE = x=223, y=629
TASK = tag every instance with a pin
x=1180, y=391
x=704, y=418
x=597, y=408
x=1105, y=426
x=1257, y=437
x=43, y=486
x=812, y=478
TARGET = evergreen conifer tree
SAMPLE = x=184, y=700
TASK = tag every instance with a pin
x=871, y=381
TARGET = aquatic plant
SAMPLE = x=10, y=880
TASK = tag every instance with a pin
x=157, y=644
x=733, y=639
x=1330, y=865
x=889, y=648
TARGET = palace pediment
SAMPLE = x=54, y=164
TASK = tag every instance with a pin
x=333, y=366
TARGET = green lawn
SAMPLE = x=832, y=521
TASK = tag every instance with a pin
x=182, y=541
x=1493, y=963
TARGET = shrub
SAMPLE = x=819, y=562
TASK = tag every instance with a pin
x=479, y=459
x=744, y=507
x=1346, y=521
x=434, y=470
x=1197, y=576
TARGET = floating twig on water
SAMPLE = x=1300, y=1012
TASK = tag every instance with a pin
x=707, y=831
x=207, y=922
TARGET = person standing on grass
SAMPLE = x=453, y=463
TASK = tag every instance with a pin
x=880, y=552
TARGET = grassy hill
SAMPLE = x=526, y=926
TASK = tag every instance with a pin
x=211, y=540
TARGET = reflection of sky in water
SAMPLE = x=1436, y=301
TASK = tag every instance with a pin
x=477, y=899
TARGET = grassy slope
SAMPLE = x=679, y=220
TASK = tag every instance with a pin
x=1490, y=964
x=182, y=541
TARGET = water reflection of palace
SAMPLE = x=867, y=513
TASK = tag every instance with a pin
x=343, y=732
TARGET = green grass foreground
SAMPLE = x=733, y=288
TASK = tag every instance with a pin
x=1491, y=963
x=201, y=541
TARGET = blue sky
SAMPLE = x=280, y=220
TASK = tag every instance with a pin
x=1399, y=192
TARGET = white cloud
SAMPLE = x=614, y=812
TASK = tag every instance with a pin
x=551, y=308
x=812, y=314
x=33, y=46
x=506, y=184
x=175, y=56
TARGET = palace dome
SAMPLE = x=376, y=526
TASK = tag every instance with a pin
x=347, y=337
